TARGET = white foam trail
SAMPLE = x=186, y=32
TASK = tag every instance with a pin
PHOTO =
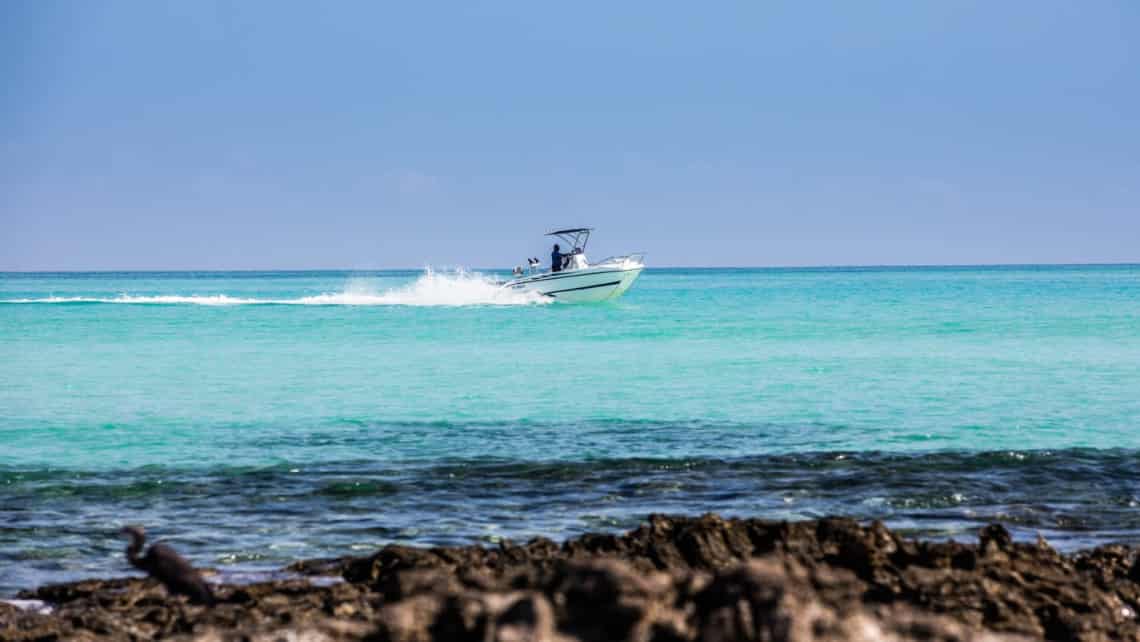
x=456, y=288
x=217, y=299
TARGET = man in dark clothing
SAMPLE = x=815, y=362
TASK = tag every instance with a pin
x=556, y=258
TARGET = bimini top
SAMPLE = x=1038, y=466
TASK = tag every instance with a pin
x=570, y=231
x=575, y=238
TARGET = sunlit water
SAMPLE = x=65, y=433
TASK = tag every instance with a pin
x=256, y=418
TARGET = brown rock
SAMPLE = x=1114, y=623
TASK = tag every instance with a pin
x=673, y=579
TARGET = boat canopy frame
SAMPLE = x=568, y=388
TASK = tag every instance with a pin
x=575, y=238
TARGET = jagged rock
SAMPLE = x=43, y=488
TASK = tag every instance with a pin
x=675, y=579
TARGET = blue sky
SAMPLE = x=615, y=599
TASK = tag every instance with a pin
x=281, y=135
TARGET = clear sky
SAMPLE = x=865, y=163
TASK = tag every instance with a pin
x=278, y=135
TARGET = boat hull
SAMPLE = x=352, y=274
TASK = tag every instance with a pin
x=579, y=286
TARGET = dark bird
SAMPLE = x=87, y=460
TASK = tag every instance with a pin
x=168, y=567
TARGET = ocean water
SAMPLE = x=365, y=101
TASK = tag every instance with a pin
x=252, y=419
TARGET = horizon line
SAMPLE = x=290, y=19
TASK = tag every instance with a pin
x=835, y=266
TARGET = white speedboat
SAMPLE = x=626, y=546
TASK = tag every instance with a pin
x=578, y=280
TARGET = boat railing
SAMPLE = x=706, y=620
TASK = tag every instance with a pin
x=634, y=257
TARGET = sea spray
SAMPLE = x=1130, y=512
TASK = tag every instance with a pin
x=432, y=288
x=459, y=287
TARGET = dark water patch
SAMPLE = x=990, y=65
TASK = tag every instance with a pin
x=57, y=525
x=359, y=488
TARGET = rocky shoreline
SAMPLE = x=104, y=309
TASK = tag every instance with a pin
x=674, y=579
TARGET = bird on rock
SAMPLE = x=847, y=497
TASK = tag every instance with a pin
x=165, y=565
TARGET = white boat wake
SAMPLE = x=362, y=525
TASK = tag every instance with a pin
x=432, y=288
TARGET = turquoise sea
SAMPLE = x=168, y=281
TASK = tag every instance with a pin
x=252, y=419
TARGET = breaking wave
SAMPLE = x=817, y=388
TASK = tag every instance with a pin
x=432, y=288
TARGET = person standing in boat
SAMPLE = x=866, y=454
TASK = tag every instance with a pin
x=556, y=259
